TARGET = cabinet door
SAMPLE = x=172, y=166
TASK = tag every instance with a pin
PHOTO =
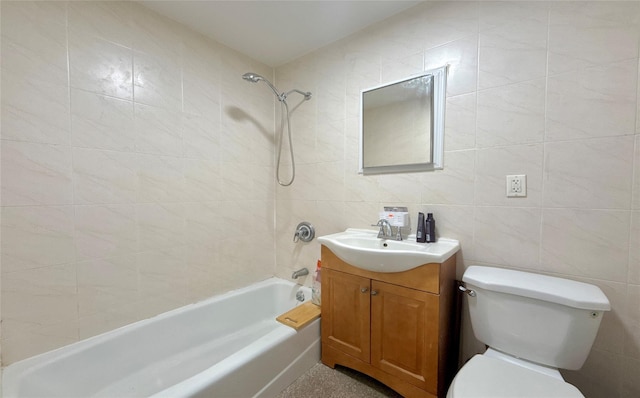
x=346, y=313
x=404, y=334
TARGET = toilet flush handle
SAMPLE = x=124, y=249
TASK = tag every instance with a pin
x=470, y=292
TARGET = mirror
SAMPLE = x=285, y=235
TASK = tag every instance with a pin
x=402, y=124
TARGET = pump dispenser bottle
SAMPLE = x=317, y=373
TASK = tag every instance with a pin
x=420, y=232
x=430, y=228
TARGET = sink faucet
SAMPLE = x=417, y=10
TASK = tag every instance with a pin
x=382, y=234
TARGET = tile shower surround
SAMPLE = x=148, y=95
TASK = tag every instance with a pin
x=137, y=167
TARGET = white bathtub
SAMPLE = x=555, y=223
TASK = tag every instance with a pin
x=227, y=346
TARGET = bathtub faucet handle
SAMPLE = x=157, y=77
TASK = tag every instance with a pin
x=304, y=232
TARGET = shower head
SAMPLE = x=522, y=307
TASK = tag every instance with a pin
x=282, y=96
x=252, y=77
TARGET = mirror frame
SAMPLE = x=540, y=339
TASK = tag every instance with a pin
x=438, y=101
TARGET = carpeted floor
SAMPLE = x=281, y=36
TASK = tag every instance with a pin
x=323, y=382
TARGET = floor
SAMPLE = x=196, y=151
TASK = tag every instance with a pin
x=323, y=382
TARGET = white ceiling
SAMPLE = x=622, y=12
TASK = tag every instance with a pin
x=276, y=32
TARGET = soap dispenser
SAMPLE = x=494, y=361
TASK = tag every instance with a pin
x=420, y=232
x=430, y=228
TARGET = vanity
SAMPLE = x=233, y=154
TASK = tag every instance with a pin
x=399, y=327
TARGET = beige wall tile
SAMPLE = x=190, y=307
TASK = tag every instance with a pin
x=38, y=298
x=105, y=231
x=35, y=104
x=202, y=180
x=207, y=222
x=514, y=49
x=592, y=102
x=634, y=248
x=451, y=185
x=399, y=68
x=160, y=225
x=512, y=114
x=163, y=280
x=201, y=136
x=630, y=381
x=611, y=335
x=108, y=20
x=100, y=66
x=591, y=34
x=107, y=286
x=35, y=174
x=37, y=32
x=155, y=34
x=157, y=131
x=201, y=93
x=34, y=111
x=157, y=81
x=201, y=271
x=329, y=142
x=160, y=179
x=592, y=174
x=600, y=375
x=635, y=203
x=101, y=122
x=460, y=122
x=507, y=236
x=445, y=22
x=632, y=339
x=587, y=243
x=104, y=176
x=48, y=228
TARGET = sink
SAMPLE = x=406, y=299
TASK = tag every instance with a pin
x=363, y=249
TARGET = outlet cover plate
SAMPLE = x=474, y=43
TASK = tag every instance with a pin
x=516, y=185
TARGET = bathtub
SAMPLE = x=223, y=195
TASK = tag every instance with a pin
x=227, y=346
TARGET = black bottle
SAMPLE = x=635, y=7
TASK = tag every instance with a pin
x=430, y=228
x=420, y=233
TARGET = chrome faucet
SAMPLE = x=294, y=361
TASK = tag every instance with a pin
x=300, y=272
x=382, y=234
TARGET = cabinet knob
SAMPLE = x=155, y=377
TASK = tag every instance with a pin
x=364, y=289
x=374, y=292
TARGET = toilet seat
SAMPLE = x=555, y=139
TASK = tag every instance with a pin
x=486, y=377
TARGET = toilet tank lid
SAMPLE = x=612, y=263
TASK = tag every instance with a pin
x=542, y=287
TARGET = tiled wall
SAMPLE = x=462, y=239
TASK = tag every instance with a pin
x=549, y=90
x=137, y=168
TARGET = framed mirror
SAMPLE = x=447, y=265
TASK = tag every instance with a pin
x=402, y=124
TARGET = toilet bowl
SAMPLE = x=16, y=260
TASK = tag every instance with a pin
x=533, y=325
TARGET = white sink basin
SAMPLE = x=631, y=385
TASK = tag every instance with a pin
x=363, y=249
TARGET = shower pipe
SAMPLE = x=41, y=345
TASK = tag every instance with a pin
x=284, y=117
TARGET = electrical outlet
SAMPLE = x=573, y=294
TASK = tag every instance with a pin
x=517, y=185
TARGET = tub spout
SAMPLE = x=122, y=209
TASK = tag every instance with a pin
x=300, y=272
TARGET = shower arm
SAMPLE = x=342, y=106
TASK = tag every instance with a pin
x=307, y=95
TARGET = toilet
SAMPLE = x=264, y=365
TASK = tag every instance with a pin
x=533, y=326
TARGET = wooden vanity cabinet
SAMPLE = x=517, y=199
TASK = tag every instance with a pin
x=398, y=328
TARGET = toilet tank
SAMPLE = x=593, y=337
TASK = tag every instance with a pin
x=543, y=319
